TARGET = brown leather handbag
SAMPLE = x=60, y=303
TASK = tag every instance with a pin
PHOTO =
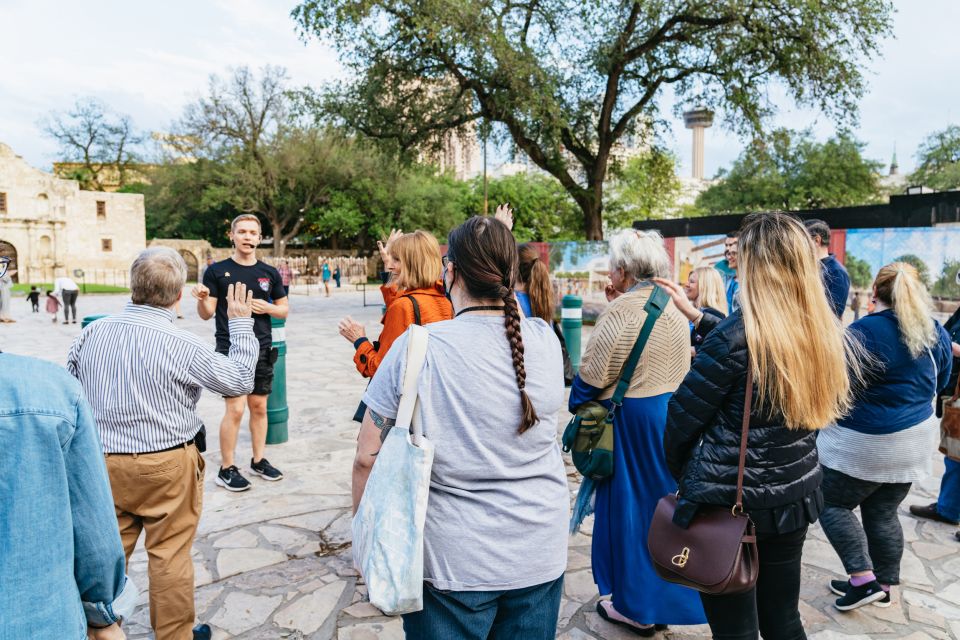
x=950, y=426
x=717, y=552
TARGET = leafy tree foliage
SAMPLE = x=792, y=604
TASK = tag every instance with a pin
x=859, y=271
x=646, y=187
x=542, y=209
x=939, y=157
x=566, y=81
x=100, y=140
x=791, y=171
x=946, y=285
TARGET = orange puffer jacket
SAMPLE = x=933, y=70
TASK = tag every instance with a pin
x=433, y=305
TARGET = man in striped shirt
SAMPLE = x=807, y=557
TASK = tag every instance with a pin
x=143, y=377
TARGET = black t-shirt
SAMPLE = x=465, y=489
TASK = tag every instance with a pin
x=261, y=278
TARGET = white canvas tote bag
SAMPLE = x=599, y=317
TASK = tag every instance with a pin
x=388, y=526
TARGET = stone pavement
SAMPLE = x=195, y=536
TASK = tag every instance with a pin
x=274, y=562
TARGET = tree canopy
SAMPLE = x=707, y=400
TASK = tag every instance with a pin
x=96, y=138
x=567, y=81
x=790, y=171
x=939, y=160
x=645, y=187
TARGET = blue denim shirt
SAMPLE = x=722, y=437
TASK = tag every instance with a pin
x=61, y=560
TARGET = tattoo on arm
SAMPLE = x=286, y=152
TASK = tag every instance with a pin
x=382, y=423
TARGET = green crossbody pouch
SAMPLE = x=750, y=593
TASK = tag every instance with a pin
x=589, y=435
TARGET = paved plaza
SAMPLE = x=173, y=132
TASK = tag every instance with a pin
x=274, y=562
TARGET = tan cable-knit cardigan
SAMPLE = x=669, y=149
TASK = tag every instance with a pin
x=665, y=360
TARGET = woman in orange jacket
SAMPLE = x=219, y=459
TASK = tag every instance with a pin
x=414, y=296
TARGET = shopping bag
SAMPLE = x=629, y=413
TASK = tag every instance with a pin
x=388, y=525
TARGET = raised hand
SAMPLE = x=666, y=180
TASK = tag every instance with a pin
x=385, y=254
x=351, y=329
x=679, y=297
x=504, y=214
x=239, y=301
x=200, y=292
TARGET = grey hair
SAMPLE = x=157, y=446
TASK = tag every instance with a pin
x=157, y=277
x=640, y=254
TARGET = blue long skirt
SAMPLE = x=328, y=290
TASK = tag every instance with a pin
x=624, y=508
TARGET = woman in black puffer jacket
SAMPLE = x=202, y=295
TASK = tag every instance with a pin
x=786, y=331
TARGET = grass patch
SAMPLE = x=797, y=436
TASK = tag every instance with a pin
x=90, y=288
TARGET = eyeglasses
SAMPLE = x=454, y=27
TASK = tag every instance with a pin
x=4, y=263
x=445, y=260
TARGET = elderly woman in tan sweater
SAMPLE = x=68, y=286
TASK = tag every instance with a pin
x=625, y=502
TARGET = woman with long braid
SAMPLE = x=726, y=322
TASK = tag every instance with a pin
x=489, y=395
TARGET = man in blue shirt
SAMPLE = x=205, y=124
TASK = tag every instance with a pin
x=836, y=280
x=63, y=563
x=730, y=283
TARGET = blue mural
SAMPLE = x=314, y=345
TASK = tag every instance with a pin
x=937, y=248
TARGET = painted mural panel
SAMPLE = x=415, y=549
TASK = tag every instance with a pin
x=935, y=251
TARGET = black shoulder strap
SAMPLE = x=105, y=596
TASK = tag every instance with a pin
x=655, y=305
x=416, y=310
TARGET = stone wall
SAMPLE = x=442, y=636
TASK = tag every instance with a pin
x=53, y=228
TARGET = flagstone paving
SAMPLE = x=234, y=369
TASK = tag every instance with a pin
x=274, y=562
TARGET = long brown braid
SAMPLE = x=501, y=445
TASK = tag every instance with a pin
x=484, y=254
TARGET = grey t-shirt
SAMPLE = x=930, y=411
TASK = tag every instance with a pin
x=499, y=504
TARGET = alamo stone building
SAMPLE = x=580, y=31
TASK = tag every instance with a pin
x=50, y=227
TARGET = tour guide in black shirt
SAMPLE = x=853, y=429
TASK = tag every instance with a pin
x=270, y=300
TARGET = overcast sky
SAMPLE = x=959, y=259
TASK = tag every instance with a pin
x=147, y=59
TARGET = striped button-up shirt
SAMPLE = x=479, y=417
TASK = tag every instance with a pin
x=143, y=376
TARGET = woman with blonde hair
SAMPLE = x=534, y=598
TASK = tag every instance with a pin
x=624, y=503
x=414, y=296
x=800, y=363
x=883, y=445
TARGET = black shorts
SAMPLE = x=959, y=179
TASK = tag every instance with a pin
x=263, y=374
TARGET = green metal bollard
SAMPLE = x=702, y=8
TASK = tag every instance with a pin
x=277, y=411
x=88, y=319
x=571, y=321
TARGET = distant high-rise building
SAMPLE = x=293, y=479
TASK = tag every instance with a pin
x=698, y=120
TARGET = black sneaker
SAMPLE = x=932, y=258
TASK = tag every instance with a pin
x=860, y=596
x=265, y=470
x=231, y=480
x=840, y=587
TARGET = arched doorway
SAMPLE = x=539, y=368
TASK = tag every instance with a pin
x=9, y=251
x=191, y=261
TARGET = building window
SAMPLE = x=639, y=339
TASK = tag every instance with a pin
x=101, y=210
x=3, y=202
x=106, y=244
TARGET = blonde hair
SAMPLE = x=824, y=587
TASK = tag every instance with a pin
x=640, y=254
x=801, y=359
x=899, y=287
x=245, y=216
x=710, y=291
x=420, y=262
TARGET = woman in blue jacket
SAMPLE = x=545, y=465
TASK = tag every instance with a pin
x=886, y=442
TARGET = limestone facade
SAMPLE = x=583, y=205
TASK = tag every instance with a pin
x=50, y=227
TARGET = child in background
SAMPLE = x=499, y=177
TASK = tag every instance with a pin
x=53, y=305
x=34, y=298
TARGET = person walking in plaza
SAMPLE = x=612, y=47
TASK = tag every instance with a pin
x=6, y=301
x=66, y=290
x=876, y=451
x=286, y=275
x=63, y=564
x=947, y=507
x=144, y=397
x=269, y=301
x=337, y=276
x=836, y=280
x=417, y=298
x=801, y=365
x=34, y=298
x=490, y=393
x=52, y=305
x=325, y=274
x=625, y=502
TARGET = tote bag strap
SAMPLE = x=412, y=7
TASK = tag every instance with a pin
x=744, y=434
x=416, y=355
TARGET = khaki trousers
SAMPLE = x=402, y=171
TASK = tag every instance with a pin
x=162, y=493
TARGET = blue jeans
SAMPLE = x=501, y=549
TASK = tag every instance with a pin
x=529, y=613
x=948, y=504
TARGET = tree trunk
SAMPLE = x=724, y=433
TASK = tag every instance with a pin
x=278, y=245
x=591, y=205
